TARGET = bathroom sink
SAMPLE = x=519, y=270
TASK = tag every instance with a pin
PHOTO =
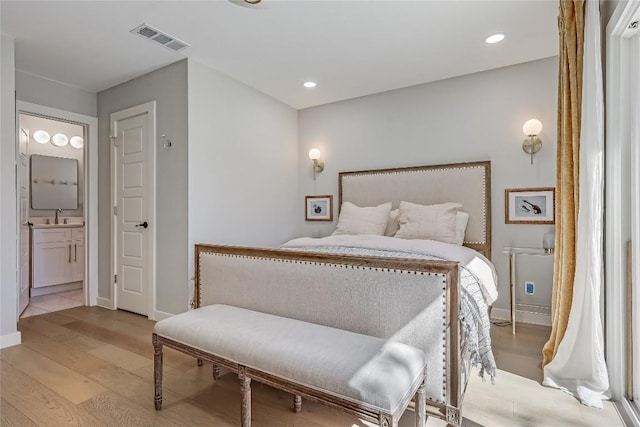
x=57, y=225
x=63, y=222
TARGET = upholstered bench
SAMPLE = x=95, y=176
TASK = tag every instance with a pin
x=370, y=377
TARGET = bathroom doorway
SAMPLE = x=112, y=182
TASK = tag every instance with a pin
x=51, y=186
x=57, y=209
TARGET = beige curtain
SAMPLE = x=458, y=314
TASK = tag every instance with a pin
x=571, y=28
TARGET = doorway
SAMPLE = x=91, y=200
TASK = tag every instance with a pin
x=633, y=369
x=57, y=263
x=623, y=208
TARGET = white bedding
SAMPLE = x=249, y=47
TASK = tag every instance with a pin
x=477, y=279
x=473, y=261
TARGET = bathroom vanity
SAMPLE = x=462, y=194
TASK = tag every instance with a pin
x=57, y=257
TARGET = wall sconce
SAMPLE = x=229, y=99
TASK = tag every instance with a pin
x=59, y=140
x=76, y=142
x=532, y=144
x=41, y=136
x=318, y=166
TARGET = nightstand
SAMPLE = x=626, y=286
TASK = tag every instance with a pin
x=512, y=251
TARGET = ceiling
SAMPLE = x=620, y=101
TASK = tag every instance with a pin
x=350, y=48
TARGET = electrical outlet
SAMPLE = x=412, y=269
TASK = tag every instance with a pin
x=529, y=288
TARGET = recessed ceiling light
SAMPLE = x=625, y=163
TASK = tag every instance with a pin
x=309, y=84
x=494, y=38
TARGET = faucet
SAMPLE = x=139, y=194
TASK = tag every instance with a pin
x=58, y=211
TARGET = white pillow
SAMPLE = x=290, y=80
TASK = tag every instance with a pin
x=366, y=220
x=393, y=225
x=462, y=218
x=433, y=222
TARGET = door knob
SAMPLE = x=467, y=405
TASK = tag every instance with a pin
x=143, y=225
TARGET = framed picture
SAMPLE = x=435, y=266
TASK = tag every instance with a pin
x=529, y=205
x=318, y=208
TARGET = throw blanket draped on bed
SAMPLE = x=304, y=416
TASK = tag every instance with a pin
x=477, y=278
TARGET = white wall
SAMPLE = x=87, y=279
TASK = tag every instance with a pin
x=243, y=166
x=8, y=222
x=468, y=118
x=168, y=87
x=42, y=91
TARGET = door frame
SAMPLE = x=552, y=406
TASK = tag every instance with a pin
x=619, y=121
x=90, y=196
x=148, y=108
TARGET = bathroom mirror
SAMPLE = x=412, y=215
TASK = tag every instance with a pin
x=54, y=182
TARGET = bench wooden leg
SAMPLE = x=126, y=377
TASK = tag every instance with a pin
x=421, y=405
x=215, y=372
x=386, y=420
x=297, y=403
x=245, y=391
x=200, y=361
x=157, y=372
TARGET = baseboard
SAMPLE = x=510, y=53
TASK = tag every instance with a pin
x=628, y=413
x=54, y=289
x=105, y=303
x=522, y=316
x=10, y=340
x=160, y=315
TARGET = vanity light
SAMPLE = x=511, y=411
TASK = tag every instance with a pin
x=60, y=140
x=494, y=38
x=309, y=84
x=76, y=142
x=41, y=136
x=532, y=144
x=318, y=166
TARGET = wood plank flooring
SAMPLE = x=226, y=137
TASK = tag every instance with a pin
x=87, y=366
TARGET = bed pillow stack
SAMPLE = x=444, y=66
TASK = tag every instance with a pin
x=367, y=220
x=444, y=222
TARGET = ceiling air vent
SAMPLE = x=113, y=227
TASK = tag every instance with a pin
x=159, y=37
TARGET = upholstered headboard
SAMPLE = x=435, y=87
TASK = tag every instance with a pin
x=465, y=183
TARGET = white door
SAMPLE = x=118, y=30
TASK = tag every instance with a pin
x=132, y=179
x=23, y=220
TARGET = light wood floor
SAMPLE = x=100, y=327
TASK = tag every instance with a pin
x=88, y=366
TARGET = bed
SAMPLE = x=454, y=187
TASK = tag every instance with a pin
x=463, y=335
x=468, y=184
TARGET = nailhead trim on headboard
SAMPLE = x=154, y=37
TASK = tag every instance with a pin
x=483, y=166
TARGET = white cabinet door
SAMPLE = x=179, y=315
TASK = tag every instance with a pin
x=77, y=264
x=58, y=256
x=51, y=263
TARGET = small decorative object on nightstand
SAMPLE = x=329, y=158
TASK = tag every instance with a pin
x=512, y=252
